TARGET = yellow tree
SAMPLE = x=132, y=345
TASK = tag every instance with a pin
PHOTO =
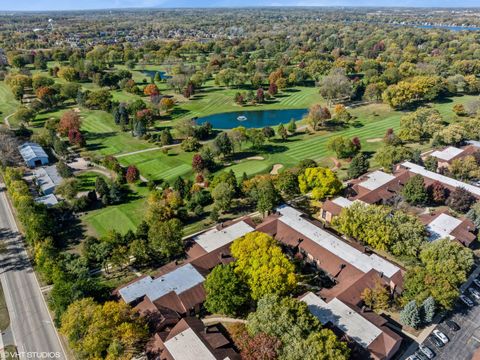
x=111, y=331
x=263, y=266
x=322, y=182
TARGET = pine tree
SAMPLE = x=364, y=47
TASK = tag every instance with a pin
x=282, y=132
x=410, y=315
x=292, y=126
x=428, y=309
x=358, y=166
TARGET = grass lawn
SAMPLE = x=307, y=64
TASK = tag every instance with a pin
x=105, y=137
x=10, y=352
x=8, y=104
x=213, y=100
x=157, y=165
x=4, y=318
x=122, y=217
x=371, y=123
x=87, y=180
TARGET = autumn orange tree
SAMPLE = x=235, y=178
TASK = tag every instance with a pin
x=70, y=120
x=151, y=89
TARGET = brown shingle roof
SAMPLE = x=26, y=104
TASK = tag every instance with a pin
x=463, y=233
x=331, y=207
x=211, y=336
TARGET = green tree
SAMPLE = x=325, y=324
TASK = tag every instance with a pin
x=368, y=224
x=321, y=182
x=101, y=186
x=443, y=267
x=24, y=115
x=389, y=155
x=165, y=237
x=474, y=214
x=299, y=331
x=358, y=166
x=227, y=294
x=420, y=125
x=428, y=310
x=410, y=315
x=256, y=137
x=265, y=195
x=287, y=183
x=292, y=127
x=431, y=163
x=223, y=145
x=409, y=235
x=64, y=170
x=282, y=132
x=343, y=147
x=68, y=188
x=222, y=195
x=414, y=191
x=110, y=331
x=263, y=266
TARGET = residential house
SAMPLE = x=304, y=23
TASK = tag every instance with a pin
x=446, y=156
x=441, y=225
x=189, y=339
x=351, y=268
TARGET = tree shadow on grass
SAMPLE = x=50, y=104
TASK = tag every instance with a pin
x=273, y=149
x=94, y=147
x=286, y=141
x=240, y=155
x=357, y=124
x=177, y=112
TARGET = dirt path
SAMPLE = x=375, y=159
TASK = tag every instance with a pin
x=5, y=120
x=336, y=164
x=214, y=320
x=275, y=169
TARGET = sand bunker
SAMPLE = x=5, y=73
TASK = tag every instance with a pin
x=275, y=169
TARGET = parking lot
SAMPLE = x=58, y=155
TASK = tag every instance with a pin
x=465, y=341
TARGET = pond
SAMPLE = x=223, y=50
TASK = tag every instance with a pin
x=252, y=119
x=151, y=73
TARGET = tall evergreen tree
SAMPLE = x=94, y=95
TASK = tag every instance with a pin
x=410, y=315
x=428, y=309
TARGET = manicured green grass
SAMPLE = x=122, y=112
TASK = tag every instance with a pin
x=370, y=125
x=122, y=217
x=87, y=180
x=8, y=104
x=157, y=165
x=105, y=137
x=214, y=100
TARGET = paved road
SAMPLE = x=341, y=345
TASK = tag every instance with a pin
x=30, y=321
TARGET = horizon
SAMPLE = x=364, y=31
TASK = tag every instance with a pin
x=98, y=5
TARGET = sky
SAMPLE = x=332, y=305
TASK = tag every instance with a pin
x=40, y=5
